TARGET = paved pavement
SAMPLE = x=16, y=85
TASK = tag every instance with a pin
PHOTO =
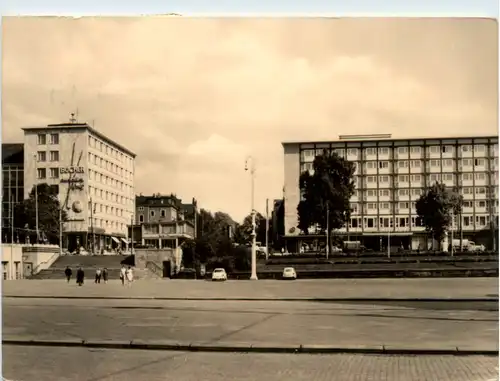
x=445, y=326
x=79, y=364
x=475, y=288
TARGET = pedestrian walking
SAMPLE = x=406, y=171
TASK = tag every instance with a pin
x=98, y=276
x=68, y=273
x=123, y=271
x=80, y=276
x=130, y=276
x=105, y=275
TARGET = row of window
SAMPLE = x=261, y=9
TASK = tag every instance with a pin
x=372, y=151
x=400, y=222
x=110, y=210
x=41, y=173
x=110, y=181
x=109, y=196
x=107, y=224
x=110, y=151
x=373, y=206
x=42, y=156
x=53, y=139
x=109, y=166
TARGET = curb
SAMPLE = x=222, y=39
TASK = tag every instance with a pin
x=240, y=299
x=250, y=348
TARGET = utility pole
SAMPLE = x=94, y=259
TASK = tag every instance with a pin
x=389, y=241
x=60, y=230
x=92, y=225
x=267, y=229
x=327, y=230
x=253, y=276
x=36, y=197
x=452, y=228
x=132, y=234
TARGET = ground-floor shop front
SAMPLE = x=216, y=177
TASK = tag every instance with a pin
x=95, y=242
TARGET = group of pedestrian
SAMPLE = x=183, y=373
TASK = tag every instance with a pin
x=126, y=274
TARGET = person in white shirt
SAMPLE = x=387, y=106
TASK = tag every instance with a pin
x=130, y=276
x=122, y=275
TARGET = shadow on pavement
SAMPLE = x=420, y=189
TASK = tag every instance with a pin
x=440, y=305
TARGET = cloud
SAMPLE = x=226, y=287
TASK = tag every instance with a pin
x=192, y=97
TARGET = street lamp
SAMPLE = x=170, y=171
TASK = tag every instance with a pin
x=36, y=196
x=251, y=168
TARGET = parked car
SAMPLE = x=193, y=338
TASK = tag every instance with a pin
x=219, y=274
x=289, y=273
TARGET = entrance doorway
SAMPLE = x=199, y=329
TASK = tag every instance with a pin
x=167, y=268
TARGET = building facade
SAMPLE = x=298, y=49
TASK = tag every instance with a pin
x=94, y=176
x=390, y=176
x=12, y=187
x=161, y=221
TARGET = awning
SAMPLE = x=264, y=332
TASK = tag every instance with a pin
x=124, y=241
x=115, y=239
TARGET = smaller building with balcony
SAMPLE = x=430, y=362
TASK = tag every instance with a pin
x=161, y=222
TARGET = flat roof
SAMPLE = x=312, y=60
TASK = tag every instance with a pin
x=84, y=126
x=383, y=138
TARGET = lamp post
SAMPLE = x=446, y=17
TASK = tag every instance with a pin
x=36, y=196
x=251, y=168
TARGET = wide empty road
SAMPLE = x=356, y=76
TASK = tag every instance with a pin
x=443, y=325
x=80, y=364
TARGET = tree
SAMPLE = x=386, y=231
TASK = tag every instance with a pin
x=435, y=208
x=326, y=191
x=243, y=234
x=48, y=215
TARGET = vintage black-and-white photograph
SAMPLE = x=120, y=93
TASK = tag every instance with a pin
x=306, y=199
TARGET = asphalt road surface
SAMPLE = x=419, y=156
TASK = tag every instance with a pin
x=443, y=325
x=80, y=364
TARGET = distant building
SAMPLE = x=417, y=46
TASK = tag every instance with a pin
x=390, y=176
x=161, y=222
x=278, y=222
x=94, y=177
x=12, y=186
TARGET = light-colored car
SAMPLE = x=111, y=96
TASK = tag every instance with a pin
x=289, y=273
x=219, y=274
x=336, y=249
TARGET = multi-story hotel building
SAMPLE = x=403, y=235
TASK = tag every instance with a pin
x=94, y=176
x=12, y=187
x=390, y=176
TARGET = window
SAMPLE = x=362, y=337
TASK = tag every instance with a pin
x=403, y=192
x=467, y=204
x=370, y=164
x=54, y=138
x=383, y=150
x=479, y=148
x=42, y=139
x=403, y=178
x=448, y=163
x=467, y=190
x=415, y=163
x=447, y=149
x=152, y=213
x=352, y=151
x=54, y=155
x=480, y=175
x=340, y=152
x=416, y=192
x=435, y=177
x=369, y=222
x=481, y=204
x=434, y=149
x=402, y=150
x=163, y=213
x=478, y=162
x=434, y=163
x=370, y=151
x=467, y=220
x=404, y=205
x=54, y=173
x=383, y=192
x=480, y=190
x=371, y=206
x=354, y=207
x=383, y=179
x=41, y=156
x=403, y=164
x=416, y=178
x=370, y=193
x=466, y=148
x=370, y=179
x=383, y=164
x=384, y=205
x=448, y=177
x=41, y=173
x=415, y=150
x=466, y=162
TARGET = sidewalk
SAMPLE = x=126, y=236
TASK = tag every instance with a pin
x=428, y=289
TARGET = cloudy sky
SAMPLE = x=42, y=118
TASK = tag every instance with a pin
x=192, y=97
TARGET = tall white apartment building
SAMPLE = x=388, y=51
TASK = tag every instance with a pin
x=94, y=177
x=390, y=176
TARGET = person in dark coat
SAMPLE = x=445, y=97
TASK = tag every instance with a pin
x=80, y=275
x=68, y=273
x=105, y=275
